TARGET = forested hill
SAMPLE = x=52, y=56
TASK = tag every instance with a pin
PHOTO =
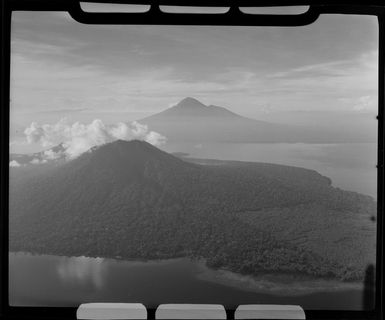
x=134, y=201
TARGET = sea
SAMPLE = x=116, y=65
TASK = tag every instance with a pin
x=44, y=280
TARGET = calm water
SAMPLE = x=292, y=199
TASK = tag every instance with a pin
x=351, y=166
x=62, y=281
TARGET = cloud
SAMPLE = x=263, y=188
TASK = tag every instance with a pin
x=60, y=111
x=365, y=104
x=59, y=65
x=37, y=161
x=52, y=155
x=14, y=163
x=77, y=137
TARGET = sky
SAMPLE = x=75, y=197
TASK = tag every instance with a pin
x=313, y=74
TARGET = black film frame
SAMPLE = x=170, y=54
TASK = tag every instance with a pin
x=156, y=17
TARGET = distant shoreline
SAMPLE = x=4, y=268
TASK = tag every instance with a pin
x=276, y=284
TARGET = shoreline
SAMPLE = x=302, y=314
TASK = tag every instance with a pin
x=267, y=283
x=117, y=259
x=276, y=284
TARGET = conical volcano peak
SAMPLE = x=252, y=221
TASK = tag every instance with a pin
x=128, y=157
x=120, y=143
x=190, y=102
x=187, y=109
x=128, y=149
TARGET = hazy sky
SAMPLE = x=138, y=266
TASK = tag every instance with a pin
x=61, y=68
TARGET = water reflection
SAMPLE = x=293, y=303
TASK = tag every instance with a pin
x=369, y=288
x=82, y=269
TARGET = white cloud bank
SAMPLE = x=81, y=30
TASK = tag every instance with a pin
x=77, y=138
x=14, y=163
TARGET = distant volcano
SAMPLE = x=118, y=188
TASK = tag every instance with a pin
x=190, y=108
x=132, y=200
x=192, y=121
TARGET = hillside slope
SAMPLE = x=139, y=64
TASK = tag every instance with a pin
x=132, y=200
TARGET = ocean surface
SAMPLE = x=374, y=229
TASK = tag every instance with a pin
x=43, y=280
x=351, y=166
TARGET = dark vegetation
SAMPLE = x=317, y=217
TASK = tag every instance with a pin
x=131, y=200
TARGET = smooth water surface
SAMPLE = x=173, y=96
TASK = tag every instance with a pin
x=68, y=281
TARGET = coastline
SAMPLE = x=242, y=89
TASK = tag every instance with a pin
x=276, y=284
x=267, y=283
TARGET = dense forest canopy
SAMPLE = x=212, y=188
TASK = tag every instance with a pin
x=133, y=201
